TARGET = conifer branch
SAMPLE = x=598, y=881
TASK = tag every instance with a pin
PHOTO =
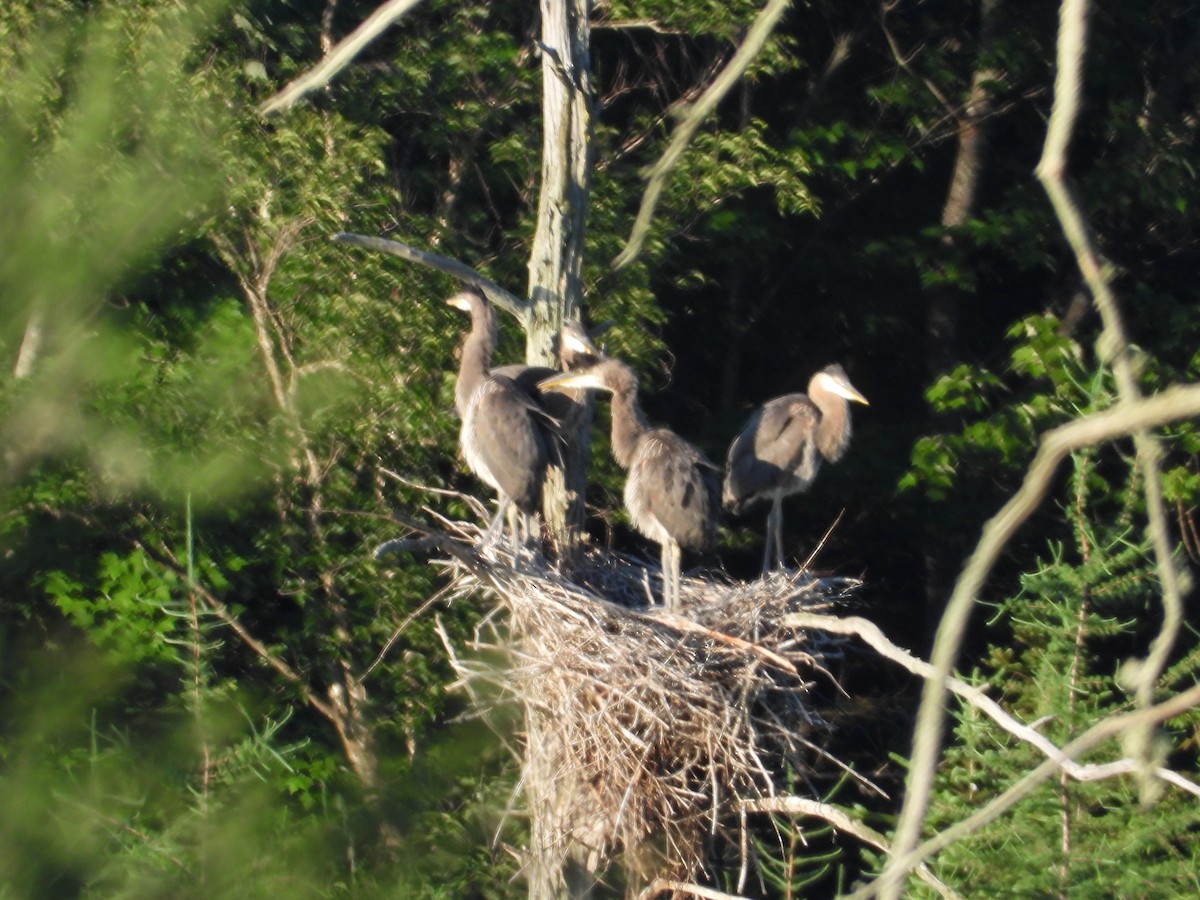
x=1126, y=417
x=805, y=806
x=1104, y=730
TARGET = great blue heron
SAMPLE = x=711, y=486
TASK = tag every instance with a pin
x=782, y=445
x=504, y=434
x=672, y=492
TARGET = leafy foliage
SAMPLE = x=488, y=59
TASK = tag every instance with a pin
x=204, y=401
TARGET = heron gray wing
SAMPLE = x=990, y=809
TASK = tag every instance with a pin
x=679, y=488
x=776, y=440
x=510, y=442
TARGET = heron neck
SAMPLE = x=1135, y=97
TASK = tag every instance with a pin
x=833, y=431
x=476, y=356
x=628, y=426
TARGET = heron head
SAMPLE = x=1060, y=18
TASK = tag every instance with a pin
x=607, y=375
x=575, y=339
x=834, y=380
x=465, y=300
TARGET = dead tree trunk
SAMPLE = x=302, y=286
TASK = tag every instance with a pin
x=556, y=259
x=962, y=200
x=556, y=294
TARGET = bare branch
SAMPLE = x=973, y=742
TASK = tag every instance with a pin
x=1126, y=417
x=1051, y=171
x=339, y=56
x=1102, y=731
x=803, y=806
x=662, y=885
x=756, y=38
x=871, y=634
x=1114, y=345
x=507, y=301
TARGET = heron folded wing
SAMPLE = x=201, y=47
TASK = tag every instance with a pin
x=508, y=443
x=679, y=489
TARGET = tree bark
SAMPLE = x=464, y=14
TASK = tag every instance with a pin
x=556, y=294
x=556, y=260
x=31, y=344
x=962, y=197
x=945, y=301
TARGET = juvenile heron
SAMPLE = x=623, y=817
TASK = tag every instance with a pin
x=504, y=435
x=782, y=445
x=672, y=492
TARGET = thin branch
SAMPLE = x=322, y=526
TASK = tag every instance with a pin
x=930, y=718
x=871, y=634
x=1102, y=731
x=683, y=624
x=803, y=806
x=339, y=56
x=506, y=300
x=1175, y=403
x=662, y=886
x=1052, y=173
x=756, y=38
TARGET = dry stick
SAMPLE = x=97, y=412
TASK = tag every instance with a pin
x=221, y=611
x=408, y=620
x=339, y=56
x=930, y=718
x=506, y=300
x=1051, y=172
x=803, y=806
x=1179, y=402
x=679, y=623
x=474, y=502
x=871, y=634
x=1104, y=730
x=662, y=886
x=690, y=123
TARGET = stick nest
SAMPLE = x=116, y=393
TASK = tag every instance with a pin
x=647, y=733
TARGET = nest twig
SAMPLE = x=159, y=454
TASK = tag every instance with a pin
x=647, y=733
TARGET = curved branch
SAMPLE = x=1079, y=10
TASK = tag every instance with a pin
x=756, y=37
x=1051, y=171
x=804, y=806
x=871, y=634
x=338, y=57
x=1071, y=48
x=1102, y=731
x=1126, y=417
x=506, y=300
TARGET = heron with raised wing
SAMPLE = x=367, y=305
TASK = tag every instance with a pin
x=781, y=447
x=576, y=351
x=672, y=491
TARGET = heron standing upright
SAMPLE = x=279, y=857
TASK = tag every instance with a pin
x=782, y=445
x=672, y=492
x=504, y=433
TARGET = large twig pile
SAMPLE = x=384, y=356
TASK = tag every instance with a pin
x=655, y=730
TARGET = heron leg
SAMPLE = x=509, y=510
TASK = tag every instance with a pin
x=516, y=526
x=778, y=504
x=774, y=539
x=671, y=559
x=496, y=525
